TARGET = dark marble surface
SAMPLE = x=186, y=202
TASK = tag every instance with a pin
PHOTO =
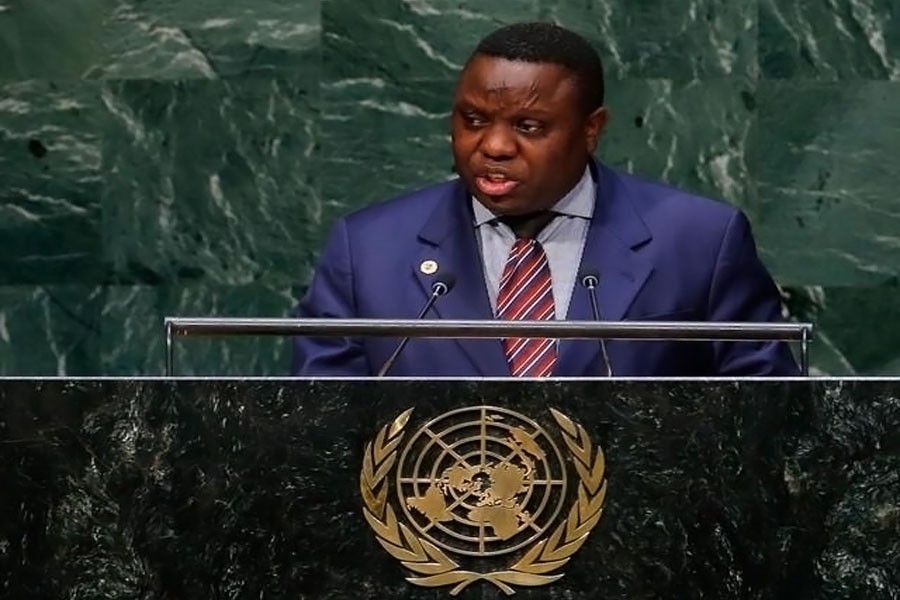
x=233, y=148
x=820, y=222
x=165, y=157
x=132, y=328
x=50, y=182
x=686, y=40
x=62, y=324
x=249, y=489
x=852, y=39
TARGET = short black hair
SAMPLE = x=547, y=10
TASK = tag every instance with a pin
x=549, y=43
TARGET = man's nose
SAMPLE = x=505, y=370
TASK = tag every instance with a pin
x=498, y=142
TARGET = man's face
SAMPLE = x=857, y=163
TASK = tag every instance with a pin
x=521, y=138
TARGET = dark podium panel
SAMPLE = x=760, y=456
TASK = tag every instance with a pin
x=214, y=489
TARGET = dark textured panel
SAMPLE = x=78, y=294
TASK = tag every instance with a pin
x=133, y=332
x=828, y=213
x=250, y=489
x=664, y=39
x=210, y=181
x=654, y=132
x=50, y=330
x=380, y=140
x=50, y=182
x=167, y=39
x=833, y=40
x=47, y=39
x=857, y=329
x=415, y=39
x=155, y=39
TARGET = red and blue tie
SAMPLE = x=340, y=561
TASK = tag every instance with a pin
x=526, y=293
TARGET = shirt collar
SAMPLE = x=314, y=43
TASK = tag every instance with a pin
x=579, y=202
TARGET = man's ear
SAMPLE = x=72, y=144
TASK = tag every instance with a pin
x=593, y=127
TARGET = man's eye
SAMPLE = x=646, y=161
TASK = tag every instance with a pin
x=529, y=126
x=473, y=120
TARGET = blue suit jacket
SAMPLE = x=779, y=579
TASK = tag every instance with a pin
x=662, y=254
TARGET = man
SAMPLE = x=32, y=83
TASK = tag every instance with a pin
x=530, y=210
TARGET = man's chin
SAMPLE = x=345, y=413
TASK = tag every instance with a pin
x=502, y=206
x=509, y=205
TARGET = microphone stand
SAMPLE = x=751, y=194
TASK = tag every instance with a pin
x=438, y=289
x=590, y=281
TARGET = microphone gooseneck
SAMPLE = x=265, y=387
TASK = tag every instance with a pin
x=439, y=288
x=590, y=279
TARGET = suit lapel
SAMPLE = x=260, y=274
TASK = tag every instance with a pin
x=448, y=238
x=615, y=233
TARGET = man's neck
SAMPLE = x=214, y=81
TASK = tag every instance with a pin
x=529, y=225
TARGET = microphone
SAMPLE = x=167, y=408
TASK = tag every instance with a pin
x=589, y=277
x=439, y=288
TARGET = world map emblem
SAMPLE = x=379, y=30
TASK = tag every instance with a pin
x=482, y=493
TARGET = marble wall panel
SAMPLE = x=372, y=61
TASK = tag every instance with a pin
x=662, y=39
x=834, y=40
x=209, y=181
x=162, y=157
x=829, y=213
x=50, y=182
x=133, y=337
x=50, y=330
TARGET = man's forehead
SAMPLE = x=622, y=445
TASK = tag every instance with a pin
x=495, y=74
x=490, y=68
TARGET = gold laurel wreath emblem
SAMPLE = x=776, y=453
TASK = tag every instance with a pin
x=433, y=566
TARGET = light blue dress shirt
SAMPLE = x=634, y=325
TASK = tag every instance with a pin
x=563, y=241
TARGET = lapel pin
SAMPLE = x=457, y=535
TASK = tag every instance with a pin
x=428, y=267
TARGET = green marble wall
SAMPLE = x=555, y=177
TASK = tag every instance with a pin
x=160, y=157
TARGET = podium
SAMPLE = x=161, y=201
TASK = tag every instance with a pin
x=198, y=488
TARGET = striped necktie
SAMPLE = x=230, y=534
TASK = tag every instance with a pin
x=526, y=293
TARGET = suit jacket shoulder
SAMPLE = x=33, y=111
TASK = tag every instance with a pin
x=406, y=211
x=661, y=206
x=687, y=230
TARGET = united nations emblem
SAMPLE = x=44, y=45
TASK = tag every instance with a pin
x=482, y=495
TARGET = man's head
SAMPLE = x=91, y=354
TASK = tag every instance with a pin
x=527, y=115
